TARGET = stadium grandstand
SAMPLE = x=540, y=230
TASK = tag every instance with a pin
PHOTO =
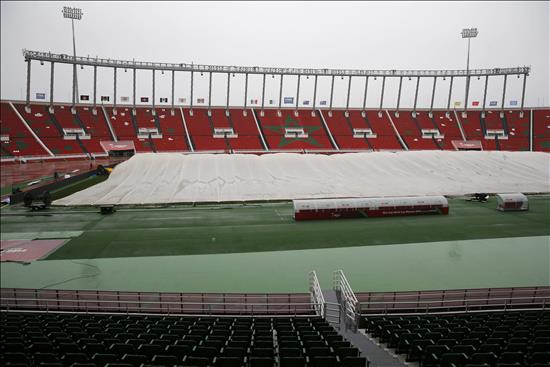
x=381, y=204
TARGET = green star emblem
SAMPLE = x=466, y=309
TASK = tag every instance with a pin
x=289, y=123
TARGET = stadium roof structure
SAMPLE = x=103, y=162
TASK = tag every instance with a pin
x=297, y=72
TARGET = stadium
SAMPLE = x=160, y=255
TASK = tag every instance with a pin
x=317, y=190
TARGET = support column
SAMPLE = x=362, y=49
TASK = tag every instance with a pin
x=281, y=92
x=209, y=90
x=382, y=93
x=246, y=91
x=331, y=92
x=416, y=93
x=95, y=86
x=504, y=92
x=74, y=87
x=28, y=99
x=153, y=91
x=433, y=94
x=228, y=89
x=114, y=87
x=134, y=91
x=450, y=94
x=467, y=93
x=51, y=84
x=173, y=82
x=365, y=96
x=263, y=92
x=523, y=91
x=485, y=93
x=349, y=92
x=298, y=92
x=191, y=100
x=399, y=92
x=315, y=93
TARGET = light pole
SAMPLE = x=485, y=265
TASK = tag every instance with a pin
x=468, y=33
x=72, y=14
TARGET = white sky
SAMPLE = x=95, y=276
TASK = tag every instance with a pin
x=367, y=35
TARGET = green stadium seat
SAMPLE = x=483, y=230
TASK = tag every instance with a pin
x=290, y=343
x=229, y=362
x=135, y=360
x=15, y=357
x=104, y=358
x=290, y=352
x=323, y=361
x=164, y=360
x=121, y=349
x=40, y=358
x=292, y=361
x=540, y=358
x=540, y=347
x=205, y=352
x=136, y=342
x=471, y=341
x=468, y=350
x=489, y=358
x=432, y=356
x=314, y=344
x=262, y=352
x=347, y=352
x=262, y=343
x=511, y=357
x=261, y=361
x=454, y=360
x=150, y=350
x=69, y=359
x=418, y=348
x=405, y=341
x=41, y=347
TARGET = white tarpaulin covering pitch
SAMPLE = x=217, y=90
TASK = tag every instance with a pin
x=153, y=178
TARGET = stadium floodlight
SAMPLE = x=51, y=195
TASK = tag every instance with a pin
x=72, y=14
x=469, y=33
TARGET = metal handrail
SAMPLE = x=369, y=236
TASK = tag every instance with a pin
x=52, y=304
x=451, y=292
x=348, y=299
x=465, y=305
x=454, y=300
x=316, y=293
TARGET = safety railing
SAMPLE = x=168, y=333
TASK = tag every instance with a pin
x=316, y=293
x=158, y=303
x=347, y=300
x=452, y=301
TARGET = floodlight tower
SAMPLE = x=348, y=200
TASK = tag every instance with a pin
x=468, y=33
x=72, y=14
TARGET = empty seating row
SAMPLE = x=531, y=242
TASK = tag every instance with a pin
x=74, y=339
x=492, y=339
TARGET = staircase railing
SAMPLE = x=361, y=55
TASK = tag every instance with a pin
x=316, y=293
x=348, y=300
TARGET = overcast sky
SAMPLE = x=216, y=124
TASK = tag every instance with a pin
x=363, y=35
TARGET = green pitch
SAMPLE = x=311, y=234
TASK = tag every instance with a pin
x=266, y=227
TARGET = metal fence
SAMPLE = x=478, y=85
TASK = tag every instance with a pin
x=451, y=301
x=213, y=304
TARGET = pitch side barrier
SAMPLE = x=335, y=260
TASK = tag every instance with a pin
x=211, y=304
x=454, y=301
